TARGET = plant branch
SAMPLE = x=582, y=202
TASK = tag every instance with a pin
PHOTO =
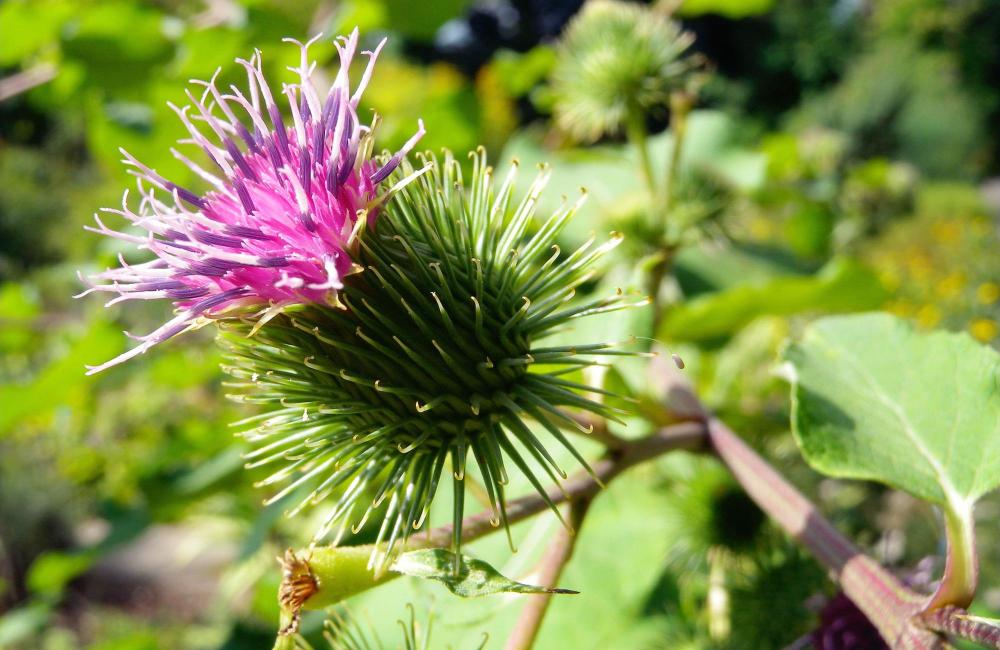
x=22, y=82
x=894, y=609
x=582, y=485
x=556, y=556
x=887, y=603
x=322, y=576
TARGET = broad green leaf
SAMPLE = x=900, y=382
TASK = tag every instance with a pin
x=707, y=268
x=841, y=286
x=473, y=578
x=874, y=399
x=728, y=8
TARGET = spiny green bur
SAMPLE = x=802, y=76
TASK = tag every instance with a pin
x=432, y=356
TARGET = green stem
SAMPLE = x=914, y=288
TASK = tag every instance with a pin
x=637, y=135
x=680, y=106
x=961, y=571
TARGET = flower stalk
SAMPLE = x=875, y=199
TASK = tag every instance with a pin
x=556, y=557
x=897, y=611
x=324, y=563
x=637, y=134
x=681, y=103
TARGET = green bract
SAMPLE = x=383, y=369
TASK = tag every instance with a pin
x=617, y=62
x=433, y=359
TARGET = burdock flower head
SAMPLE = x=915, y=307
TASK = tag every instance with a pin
x=286, y=202
x=618, y=61
x=438, y=364
x=385, y=354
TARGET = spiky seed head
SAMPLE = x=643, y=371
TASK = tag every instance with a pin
x=617, y=61
x=435, y=361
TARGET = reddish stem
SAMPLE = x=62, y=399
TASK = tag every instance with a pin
x=957, y=622
x=556, y=556
x=887, y=603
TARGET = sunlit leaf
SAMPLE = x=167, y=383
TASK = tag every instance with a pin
x=841, y=286
x=874, y=399
x=52, y=571
x=729, y=8
x=29, y=26
x=19, y=624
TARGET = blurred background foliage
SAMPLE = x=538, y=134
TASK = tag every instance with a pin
x=841, y=157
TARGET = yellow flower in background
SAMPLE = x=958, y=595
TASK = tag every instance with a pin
x=928, y=316
x=988, y=293
x=947, y=231
x=951, y=285
x=984, y=329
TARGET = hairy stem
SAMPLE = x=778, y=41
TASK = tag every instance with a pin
x=957, y=622
x=887, y=603
x=558, y=554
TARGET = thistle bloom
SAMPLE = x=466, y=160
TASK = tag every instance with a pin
x=287, y=201
x=441, y=359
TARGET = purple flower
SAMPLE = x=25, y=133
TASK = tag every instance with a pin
x=843, y=627
x=286, y=201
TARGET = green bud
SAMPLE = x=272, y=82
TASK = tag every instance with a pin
x=618, y=62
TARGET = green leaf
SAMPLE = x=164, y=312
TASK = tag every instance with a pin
x=732, y=9
x=29, y=27
x=421, y=20
x=52, y=571
x=873, y=399
x=60, y=381
x=841, y=286
x=19, y=624
x=708, y=268
x=473, y=578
